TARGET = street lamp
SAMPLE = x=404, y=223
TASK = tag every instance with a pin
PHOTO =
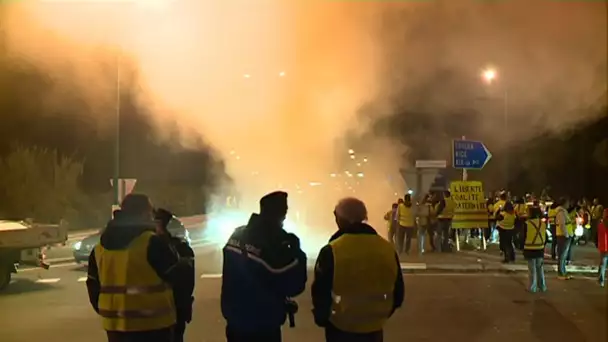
x=489, y=75
x=117, y=138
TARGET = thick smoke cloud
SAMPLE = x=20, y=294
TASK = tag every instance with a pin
x=284, y=88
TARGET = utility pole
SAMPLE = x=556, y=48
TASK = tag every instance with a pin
x=117, y=135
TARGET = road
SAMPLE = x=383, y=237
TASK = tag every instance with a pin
x=53, y=305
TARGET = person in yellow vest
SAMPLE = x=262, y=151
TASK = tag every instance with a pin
x=563, y=236
x=391, y=217
x=521, y=215
x=573, y=221
x=445, y=213
x=551, y=215
x=425, y=215
x=407, y=224
x=130, y=276
x=535, y=237
x=489, y=232
x=506, y=227
x=358, y=283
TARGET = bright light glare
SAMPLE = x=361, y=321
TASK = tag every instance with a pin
x=282, y=73
x=220, y=227
x=333, y=175
x=247, y=76
x=351, y=151
x=489, y=75
x=352, y=156
x=360, y=175
x=314, y=183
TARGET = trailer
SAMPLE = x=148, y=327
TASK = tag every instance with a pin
x=22, y=243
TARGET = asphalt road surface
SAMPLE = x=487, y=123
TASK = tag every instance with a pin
x=53, y=305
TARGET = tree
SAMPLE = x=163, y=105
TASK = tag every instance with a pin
x=41, y=184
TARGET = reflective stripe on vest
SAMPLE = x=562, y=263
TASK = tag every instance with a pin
x=359, y=312
x=536, y=234
x=363, y=284
x=135, y=313
x=132, y=296
x=134, y=289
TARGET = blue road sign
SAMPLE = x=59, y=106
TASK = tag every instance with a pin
x=469, y=154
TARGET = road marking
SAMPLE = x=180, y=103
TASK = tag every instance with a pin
x=48, y=280
x=211, y=276
x=413, y=266
x=82, y=279
x=52, y=267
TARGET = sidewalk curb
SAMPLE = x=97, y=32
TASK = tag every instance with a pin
x=486, y=268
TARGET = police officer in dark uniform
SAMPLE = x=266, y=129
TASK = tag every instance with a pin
x=263, y=269
x=184, y=289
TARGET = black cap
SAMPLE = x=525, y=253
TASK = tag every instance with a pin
x=275, y=202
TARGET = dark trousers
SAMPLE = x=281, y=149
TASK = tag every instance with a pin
x=488, y=232
x=178, y=332
x=520, y=229
x=404, y=234
x=161, y=335
x=569, y=256
x=443, y=232
x=333, y=334
x=563, y=246
x=506, y=244
x=431, y=228
x=553, y=229
x=392, y=233
x=260, y=336
x=593, y=231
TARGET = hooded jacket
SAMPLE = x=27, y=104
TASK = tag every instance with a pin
x=118, y=235
x=263, y=266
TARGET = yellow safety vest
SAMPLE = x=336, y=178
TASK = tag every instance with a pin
x=499, y=206
x=448, y=210
x=552, y=214
x=536, y=234
x=571, y=226
x=406, y=216
x=365, y=271
x=508, y=221
x=132, y=296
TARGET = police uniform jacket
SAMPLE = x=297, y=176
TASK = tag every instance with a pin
x=263, y=265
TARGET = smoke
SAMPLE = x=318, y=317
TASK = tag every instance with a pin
x=550, y=60
x=283, y=89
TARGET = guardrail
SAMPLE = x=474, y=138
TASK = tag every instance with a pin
x=190, y=222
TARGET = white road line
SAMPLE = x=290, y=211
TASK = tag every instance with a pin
x=211, y=276
x=48, y=280
x=82, y=279
x=413, y=266
x=52, y=267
